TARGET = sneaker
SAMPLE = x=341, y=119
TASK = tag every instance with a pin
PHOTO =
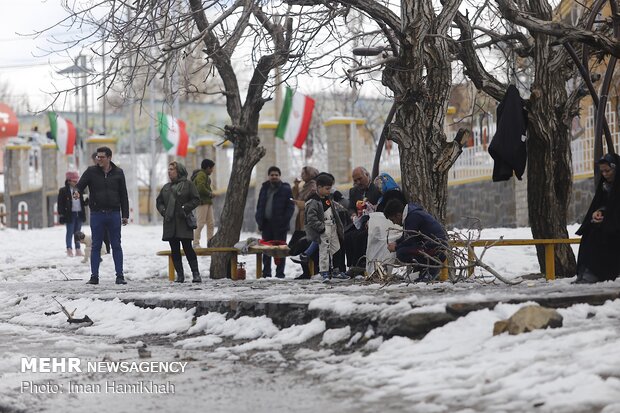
x=303, y=277
x=93, y=280
x=325, y=275
x=120, y=279
x=340, y=276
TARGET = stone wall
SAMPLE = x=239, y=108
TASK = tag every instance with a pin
x=493, y=203
x=583, y=192
x=504, y=204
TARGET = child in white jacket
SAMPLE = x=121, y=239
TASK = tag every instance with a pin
x=323, y=226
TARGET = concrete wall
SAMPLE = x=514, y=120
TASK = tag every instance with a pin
x=249, y=224
x=35, y=209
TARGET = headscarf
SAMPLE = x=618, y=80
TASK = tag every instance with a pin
x=385, y=183
x=176, y=187
x=309, y=187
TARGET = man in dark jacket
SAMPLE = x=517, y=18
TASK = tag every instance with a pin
x=274, y=211
x=109, y=209
x=424, y=240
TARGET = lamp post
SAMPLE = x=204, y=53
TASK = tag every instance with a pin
x=369, y=52
x=79, y=70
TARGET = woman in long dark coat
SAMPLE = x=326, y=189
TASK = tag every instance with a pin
x=71, y=212
x=599, y=250
x=176, y=199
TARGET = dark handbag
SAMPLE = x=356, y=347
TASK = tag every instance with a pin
x=190, y=220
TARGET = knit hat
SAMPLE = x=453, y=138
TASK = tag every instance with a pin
x=72, y=175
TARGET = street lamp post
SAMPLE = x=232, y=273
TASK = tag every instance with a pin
x=79, y=70
x=369, y=52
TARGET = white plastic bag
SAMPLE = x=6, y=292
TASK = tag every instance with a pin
x=376, y=248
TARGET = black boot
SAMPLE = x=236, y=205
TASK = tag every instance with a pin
x=180, y=278
x=193, y=264
x=93, y=280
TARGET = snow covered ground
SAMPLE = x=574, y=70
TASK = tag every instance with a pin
x=251, y=364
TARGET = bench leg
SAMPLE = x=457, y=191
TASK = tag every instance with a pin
x=550, y=261
x=259, y=266
x=233, y=266
x=470, y=261
x=443, y=275
x=170, y=269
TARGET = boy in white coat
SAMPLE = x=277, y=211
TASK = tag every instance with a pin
x=323, y=226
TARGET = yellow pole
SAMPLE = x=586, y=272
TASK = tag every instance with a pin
x=233, y=266
x=170, y=269
x=550, y=261
x=259, y=266
x=443, y=275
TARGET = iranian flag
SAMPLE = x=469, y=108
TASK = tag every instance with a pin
x=63, y=132
x=173, y=134
x=295, y=118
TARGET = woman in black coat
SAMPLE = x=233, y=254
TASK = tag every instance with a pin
x=71, y=212
x=599, y=258
x=176, y=199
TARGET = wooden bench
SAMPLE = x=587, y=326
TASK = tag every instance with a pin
x=549, y=245
x=217, y=250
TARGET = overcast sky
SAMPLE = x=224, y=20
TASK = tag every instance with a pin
x=28, y=71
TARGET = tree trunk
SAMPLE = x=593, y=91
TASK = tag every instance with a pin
x=549, y=156
x=421, y=81
x=246, y=155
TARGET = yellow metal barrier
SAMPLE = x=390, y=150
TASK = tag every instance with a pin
x=549, y=245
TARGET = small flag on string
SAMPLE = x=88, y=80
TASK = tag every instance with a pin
x=63, y=132
x=173, y=135
x=295, y=118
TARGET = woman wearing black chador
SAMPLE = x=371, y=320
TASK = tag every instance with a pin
x=599, y=250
